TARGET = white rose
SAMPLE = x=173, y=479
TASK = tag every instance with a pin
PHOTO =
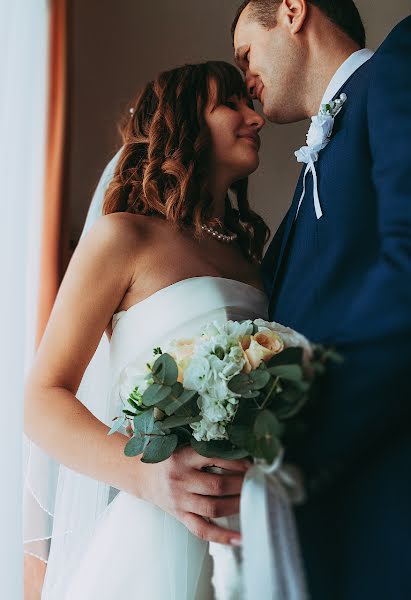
x=320, y=131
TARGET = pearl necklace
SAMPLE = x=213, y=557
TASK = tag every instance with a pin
x=221, y=237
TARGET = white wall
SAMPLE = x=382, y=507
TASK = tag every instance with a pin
x=118, y=46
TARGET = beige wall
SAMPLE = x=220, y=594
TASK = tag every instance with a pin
x=119, y=45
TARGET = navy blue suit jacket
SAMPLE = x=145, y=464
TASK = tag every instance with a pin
x=345, y=280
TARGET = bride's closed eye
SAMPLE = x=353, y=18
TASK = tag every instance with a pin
x=233, y=104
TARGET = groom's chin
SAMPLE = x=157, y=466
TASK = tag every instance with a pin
x=282, y=115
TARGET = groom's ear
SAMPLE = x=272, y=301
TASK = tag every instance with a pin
x=292, y=14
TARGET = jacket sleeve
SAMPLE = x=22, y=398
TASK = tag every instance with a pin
x=366, y=401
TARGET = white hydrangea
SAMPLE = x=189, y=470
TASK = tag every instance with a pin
x=218, y=357
x=197, y=374
x=205, y=431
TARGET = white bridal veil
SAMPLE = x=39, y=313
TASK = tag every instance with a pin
x=59, y=503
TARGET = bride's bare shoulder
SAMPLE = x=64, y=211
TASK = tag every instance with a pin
x=124, y=231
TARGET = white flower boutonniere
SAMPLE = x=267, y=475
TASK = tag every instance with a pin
x=318, y=136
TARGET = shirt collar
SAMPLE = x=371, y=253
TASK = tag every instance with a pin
x=344, y=72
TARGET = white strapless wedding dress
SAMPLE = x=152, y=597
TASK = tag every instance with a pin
x=137, y=551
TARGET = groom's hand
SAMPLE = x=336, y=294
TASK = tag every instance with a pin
x=180, y=487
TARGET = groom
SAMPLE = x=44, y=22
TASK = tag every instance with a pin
x=339, y=270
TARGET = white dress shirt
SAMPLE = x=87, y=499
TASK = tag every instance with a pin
x=307, y=154
x=343, y=73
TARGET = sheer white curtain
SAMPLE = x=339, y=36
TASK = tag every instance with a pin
x=23, y=97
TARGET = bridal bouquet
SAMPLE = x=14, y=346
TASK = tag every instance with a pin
x=233, y=391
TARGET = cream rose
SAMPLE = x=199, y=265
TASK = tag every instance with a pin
x=261, y=347
x=182, y=351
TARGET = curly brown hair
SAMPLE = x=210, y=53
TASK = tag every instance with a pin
x=163, y=167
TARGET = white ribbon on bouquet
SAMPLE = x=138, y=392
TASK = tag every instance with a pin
x=271, y=561
x=268, y=566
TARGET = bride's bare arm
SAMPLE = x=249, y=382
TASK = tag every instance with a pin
x=96, y=280
x=98, y=276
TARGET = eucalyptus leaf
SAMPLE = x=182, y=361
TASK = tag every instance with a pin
x=176, y=404
x=117, y=425
x=165, y=370
x=267, y=424
x=218, y=449
x=177, y=389
x=133, y=404
x=239, y=435
x=135, y=445
x=259, y=378
x=184, y=435
x=189, y=408
x=176, y=421
x=155, y=394
x=144, y=423
x=160, y=448
x=289, y=356
x=267, y=430
x=244, y=383
x=158, y=428
x=246, y=415
x=129, y=413
x=290, y=410
x=290, y=372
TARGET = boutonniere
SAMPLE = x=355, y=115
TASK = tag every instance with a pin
x=318, y=136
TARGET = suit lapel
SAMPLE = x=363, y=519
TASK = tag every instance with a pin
x=293, y=211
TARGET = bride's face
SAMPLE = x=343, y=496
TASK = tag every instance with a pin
x=235, y=142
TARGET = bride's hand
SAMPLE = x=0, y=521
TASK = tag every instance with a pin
x=180, y=487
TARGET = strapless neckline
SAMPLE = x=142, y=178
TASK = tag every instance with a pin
x=181, y=282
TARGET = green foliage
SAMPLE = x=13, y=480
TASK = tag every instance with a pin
x=119, y=422
x=267, y=432
x=218, y=449
x=135, y=398
x=176, y=421
x=165, y=370
x=246, y=384
x=155, y=394
x=181, y=405
x=135, y=445
x=269, y=399
x=160, y=448
x=288, y=372
x=129, y=413
x=144, y=424
x=289, y=356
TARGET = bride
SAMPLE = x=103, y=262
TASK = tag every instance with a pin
x=169, y=253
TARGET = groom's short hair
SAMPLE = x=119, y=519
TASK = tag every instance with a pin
x=342, y=13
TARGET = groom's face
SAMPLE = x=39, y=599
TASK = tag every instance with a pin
x=271, y=62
